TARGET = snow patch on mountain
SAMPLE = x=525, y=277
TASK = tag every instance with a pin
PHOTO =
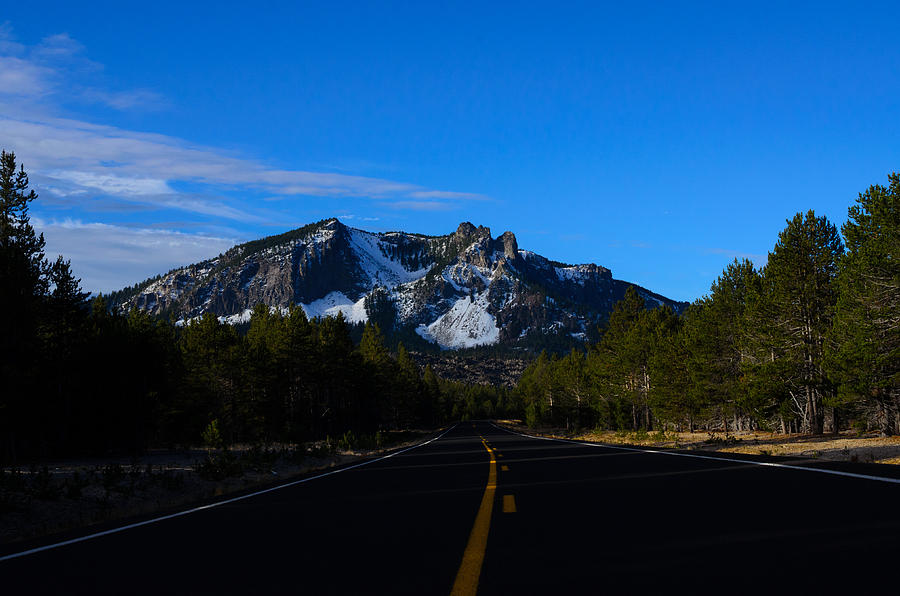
x=462, y=275
x=334, y=303
x=467, y=324
x=574, y=273
x=237, y=318
x=323, y=234
x=378, y=267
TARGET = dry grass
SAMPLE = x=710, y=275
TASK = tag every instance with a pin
x=847, y=446
x=172, y=483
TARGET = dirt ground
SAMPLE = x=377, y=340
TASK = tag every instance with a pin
x=53, y=497
x=846, y=446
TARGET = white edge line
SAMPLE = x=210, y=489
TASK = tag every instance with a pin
x=212, y=505
x=713, y=458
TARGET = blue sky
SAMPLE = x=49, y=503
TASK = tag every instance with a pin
x=660, y=140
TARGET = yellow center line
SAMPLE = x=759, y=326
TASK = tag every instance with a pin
x=504, y=468
x=509, y=504
x=466, y=583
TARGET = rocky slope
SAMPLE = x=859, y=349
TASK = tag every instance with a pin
x=474, y=370
x=459, y=290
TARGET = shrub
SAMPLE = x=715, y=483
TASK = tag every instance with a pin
x=43, y=486
x=211, y=435
x=111, y=476
x=220, y=466
x=75, y=484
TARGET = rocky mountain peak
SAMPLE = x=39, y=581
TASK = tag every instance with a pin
x=465, y=229
x=509, y=244
x=468, y=232
x=333, y=224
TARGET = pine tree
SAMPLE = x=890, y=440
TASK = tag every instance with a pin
x=23, y=285
x=210, y=352
x=381, y=369
x=534, y=391
x=574, y=388
x=340, y=400
x=414, y=403
x=623, y=358
x=714, y=334
x=264, y=372
x=372, y=348
x=866, y=334
x=671, y=396
x=301, y=362
x=432, y=387
x=791, y=316
x=63, y=335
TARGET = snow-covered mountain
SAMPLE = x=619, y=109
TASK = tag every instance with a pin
x=459, y=290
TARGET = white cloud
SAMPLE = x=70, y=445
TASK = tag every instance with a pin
x=8, y=44
x=57, y=46
x=446, y=194
x=125, y=100
x=54, y=145
x=114, y=185
x=23, y=78
x=108, y=257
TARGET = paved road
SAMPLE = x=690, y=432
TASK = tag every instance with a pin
x=484, y=508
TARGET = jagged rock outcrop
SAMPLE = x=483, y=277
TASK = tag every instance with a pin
x=459, y=290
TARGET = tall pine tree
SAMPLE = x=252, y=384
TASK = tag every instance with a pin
x=23, y=285
x=866, y=333
x=791, y=317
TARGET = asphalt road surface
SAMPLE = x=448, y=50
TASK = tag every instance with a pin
x=481, y=509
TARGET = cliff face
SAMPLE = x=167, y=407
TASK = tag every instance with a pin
x=459, y=290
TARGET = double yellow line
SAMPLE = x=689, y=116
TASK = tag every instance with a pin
x=466, y=583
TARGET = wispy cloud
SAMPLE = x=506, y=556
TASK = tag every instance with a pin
x=114, y=185
x=446, y=194
x=22, y=78
x=72, y=151
x=39, y=71
x=142, y=99
x=108, y=257
x=71, y=155
x=419, y=205
x=58, y=46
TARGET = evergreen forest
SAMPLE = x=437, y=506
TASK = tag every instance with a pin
x=808, y=343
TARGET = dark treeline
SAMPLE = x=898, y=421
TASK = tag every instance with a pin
x=78, y=378
x=809, y=343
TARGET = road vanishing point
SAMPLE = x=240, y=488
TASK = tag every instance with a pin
x=481, y=509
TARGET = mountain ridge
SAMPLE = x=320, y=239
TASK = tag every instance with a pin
x=462, y=289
